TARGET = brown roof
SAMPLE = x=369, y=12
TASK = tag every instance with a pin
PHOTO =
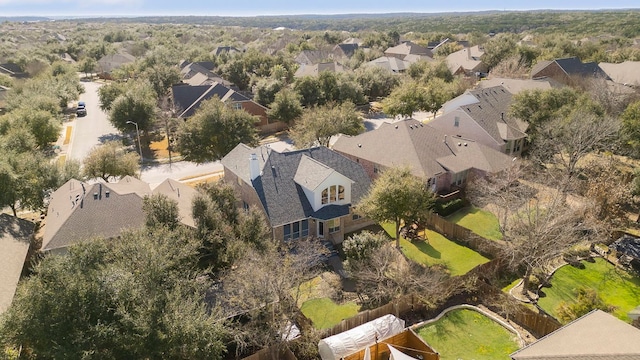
x=597, y=335
x=469, y=59
x=516, y=86
x=15, y=239
x=408, y=48
x=426, y=150
x=79, y=211
x=627, y=72
x=316, y=69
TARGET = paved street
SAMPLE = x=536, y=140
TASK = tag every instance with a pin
x=93, y=129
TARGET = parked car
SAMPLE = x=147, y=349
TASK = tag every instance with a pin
x=81, y=110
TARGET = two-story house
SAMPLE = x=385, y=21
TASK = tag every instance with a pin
x=303, y=193
x=483, y=115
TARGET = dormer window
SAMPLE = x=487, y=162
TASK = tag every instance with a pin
x=332, y=194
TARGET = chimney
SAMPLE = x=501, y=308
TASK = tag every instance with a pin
x=254, y=167
x=445, y=139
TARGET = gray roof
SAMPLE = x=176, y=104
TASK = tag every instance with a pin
x=424, y=149
x=515, y=86
x=627, y=72
x=316, y=69
x=187, y=98
x=407, y=48
x=310, y=57
x=113, y=61
x=79, y=211
x=390, y=63
x=282, y=198
x=597, y=335
x=15, y=239
x=491, y=112
x=469, y=59
x=571, y=66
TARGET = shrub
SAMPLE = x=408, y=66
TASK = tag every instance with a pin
x=361, y=246
x=448, y=208
x=586, y=301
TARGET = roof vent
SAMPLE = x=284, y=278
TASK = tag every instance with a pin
x=95, y=196
x=459, y=144
x=445, y=139
x=410, y=126
x=396, y=126
x=359, y=145
x=465, y=144
x=107, y=193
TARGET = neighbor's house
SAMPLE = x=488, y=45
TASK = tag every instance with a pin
x=467, y=61
x=187, y=100
x=13, y=70
x=515, y=86
x=409, y=49
x=15, y=241
x=444, y=160
x=316, y=69
x=483, y=116
x=231, y=50
x=567, y=71
x=80, y=211
x=344, y=50
x=390, y=63
x=303, y=193
x=4, y=91
x=626, y=73
x=310, y=57
x=596, y=335
x=108, y=63
x=201, y=73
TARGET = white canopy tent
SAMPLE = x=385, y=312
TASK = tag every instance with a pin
x=398, y=355
x=348, y=342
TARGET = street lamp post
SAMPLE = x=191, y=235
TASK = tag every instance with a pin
x=138, y=133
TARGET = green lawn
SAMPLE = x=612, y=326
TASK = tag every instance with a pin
x=324, y=313
x=467, y=334
x=615, y=286
x=481, y=222
x=439, y=250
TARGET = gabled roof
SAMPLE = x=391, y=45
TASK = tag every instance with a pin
x=572, y=67
x=597, y=335
x=187, y=98
x=282, y=198
x=469, y=59
x=183, y=194
x=110, y=62
x=311, y=173
x=424, y=149
x=346, y=49
x=201, y=73
x=15, y=240
x=390, y=63
x=313, y=56
x=79, y=211
x=489, y=108
x=316, y=69
x=225, y=49
x=408, y=48
x=627, y=73
x=10, y=68
x=515, y=86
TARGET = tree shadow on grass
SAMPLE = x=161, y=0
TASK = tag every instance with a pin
x=428, y=250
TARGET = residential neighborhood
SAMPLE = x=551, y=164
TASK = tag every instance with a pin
x=460, y=185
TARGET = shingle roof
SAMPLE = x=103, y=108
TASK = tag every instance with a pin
x=110, y=62
x=282, y=198
x=313, y=56
x=491, y=112
x=572, y=66
x=407, y=48
x=468, y=59
x=15, y=239
x=79, y=211
x=627, y=72
x=422, y=148
x=188, y=98
x=316, y=69
x=597, y=335
x=183, y=194
x=515, y=86
x=389, y=63
x=347, y=48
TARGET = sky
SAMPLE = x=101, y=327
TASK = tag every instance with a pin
x=284, y=7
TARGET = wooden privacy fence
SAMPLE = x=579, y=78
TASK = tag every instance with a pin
x=538, y=324
x=463, y=236
x=397, y=307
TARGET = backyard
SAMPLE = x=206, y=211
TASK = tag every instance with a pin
x=468, y=334
x=316, y=304
x=438, y=250
x=481, y=222
x=615, y=286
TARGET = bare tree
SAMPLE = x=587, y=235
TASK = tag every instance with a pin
x=265, y=287
x=566, y=141
x=387, y=274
